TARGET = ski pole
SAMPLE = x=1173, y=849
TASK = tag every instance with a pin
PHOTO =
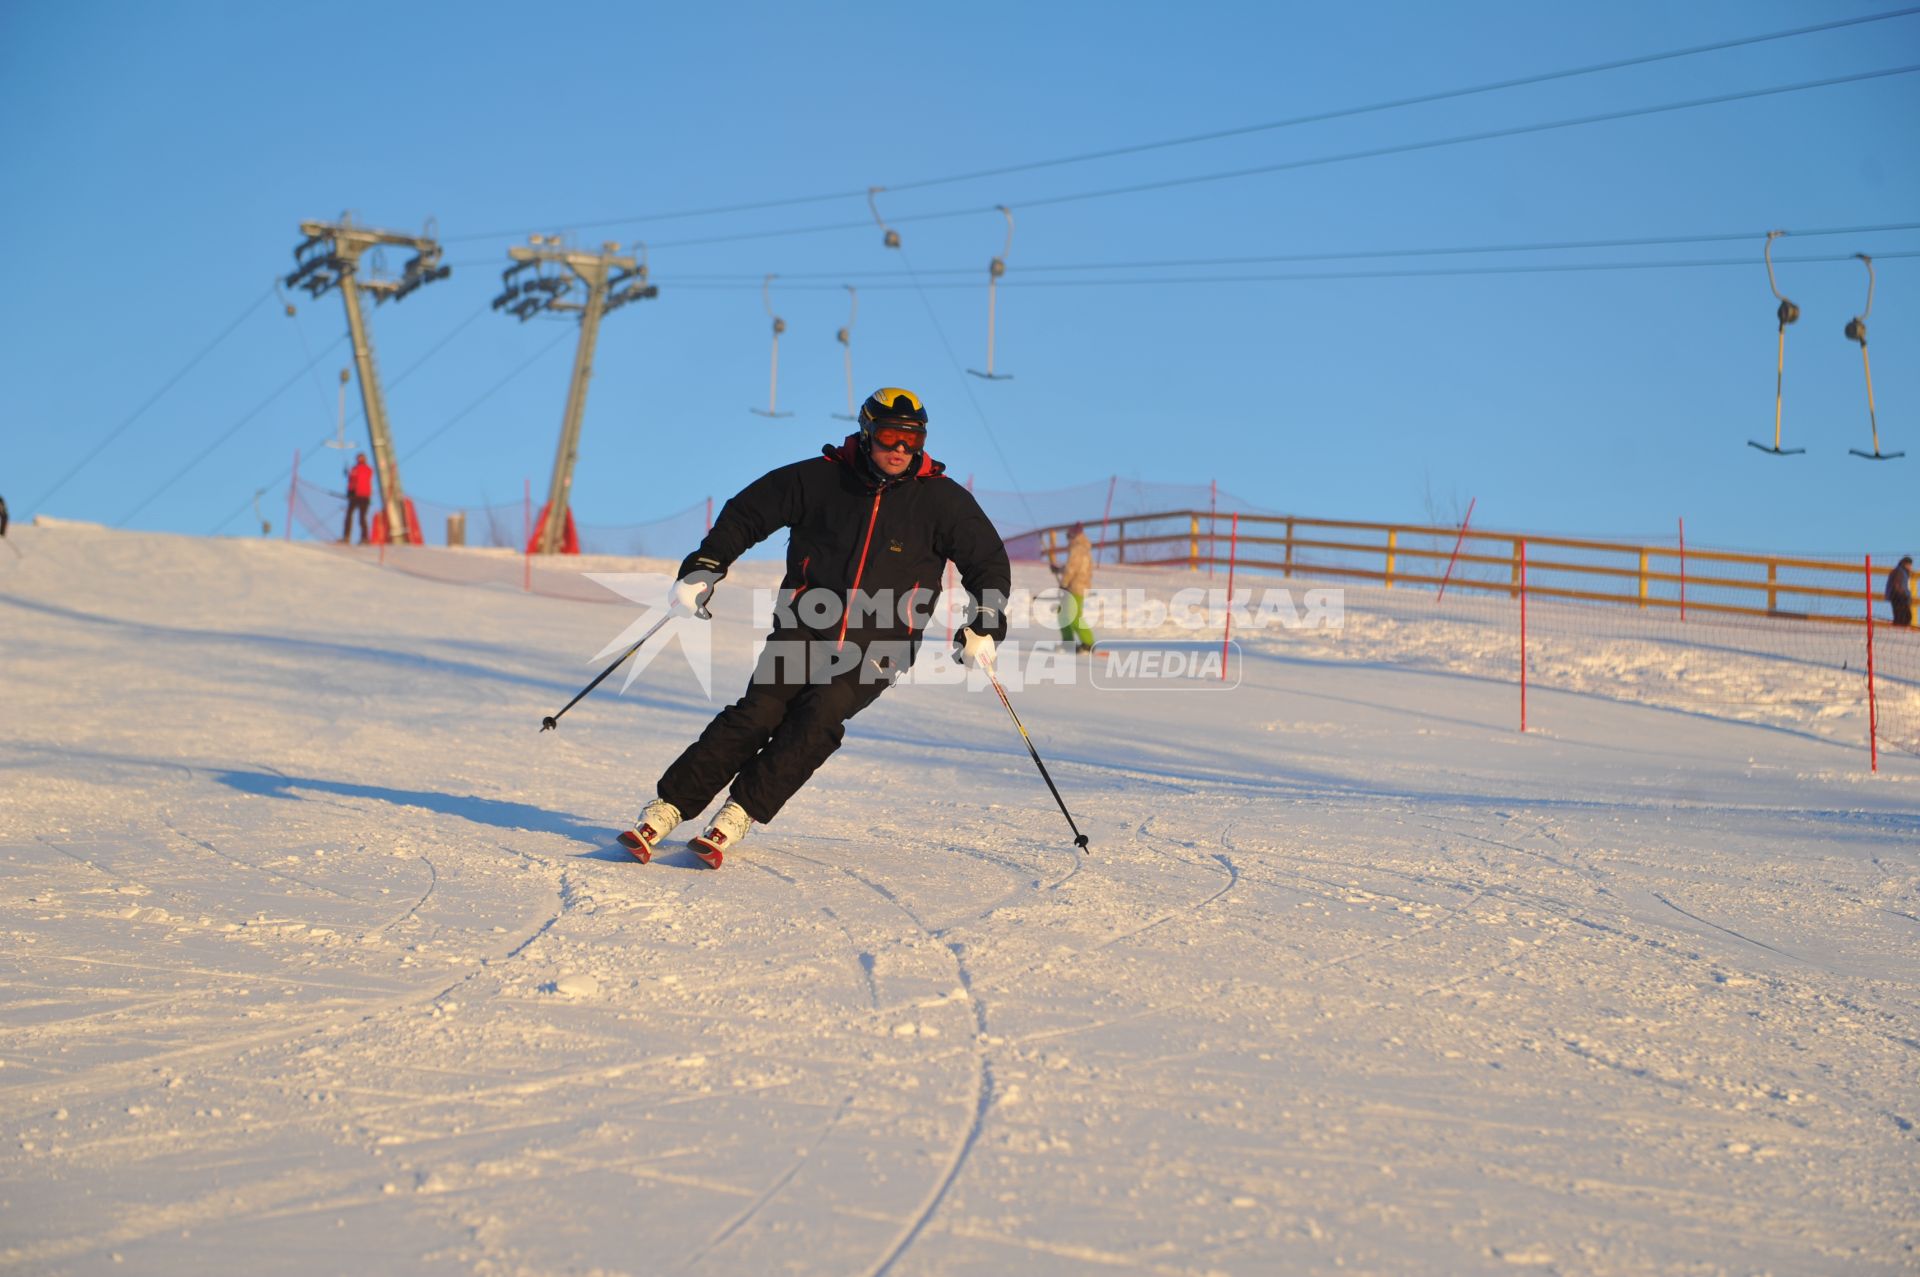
x=552, y=721
x=1079, y=839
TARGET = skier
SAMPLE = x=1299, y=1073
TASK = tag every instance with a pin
x=1075, y=580
x=1900, y=592
x=359, y=497
x=873, y=523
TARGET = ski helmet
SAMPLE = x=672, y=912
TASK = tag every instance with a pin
x=892, y=406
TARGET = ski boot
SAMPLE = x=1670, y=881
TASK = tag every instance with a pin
x=655, y=823
x=727, y=829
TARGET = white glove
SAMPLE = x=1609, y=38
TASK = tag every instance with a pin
x=689, y=595
x=976, y=650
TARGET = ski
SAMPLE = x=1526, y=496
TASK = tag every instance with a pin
x=635, y=844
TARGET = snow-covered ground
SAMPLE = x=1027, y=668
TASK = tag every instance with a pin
x=320, y=957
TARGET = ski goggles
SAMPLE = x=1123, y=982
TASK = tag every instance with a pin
x=897, y=437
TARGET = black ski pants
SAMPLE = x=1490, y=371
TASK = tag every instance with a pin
x=771, y=740
x=359, y=504
x=1903, y=612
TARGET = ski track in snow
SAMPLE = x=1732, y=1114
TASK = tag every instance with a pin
x=320, y=953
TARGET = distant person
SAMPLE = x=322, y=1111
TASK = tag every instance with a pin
x=1076, y=579
x=359, y=497
x=1900, y=592
x=3, y=516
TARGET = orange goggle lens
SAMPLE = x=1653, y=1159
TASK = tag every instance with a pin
x=898, y=437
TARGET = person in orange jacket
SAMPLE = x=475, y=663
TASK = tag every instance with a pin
x=359, y=497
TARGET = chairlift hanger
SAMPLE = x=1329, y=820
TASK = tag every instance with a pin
x=773, y=380
x=995, y=270
x=339, y=439
x=892, y=237
x=845, y=338
x=1787, y=313
x=1857, y=331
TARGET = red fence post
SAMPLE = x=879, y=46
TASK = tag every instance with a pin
x=293, y=487
x=526, y=535
x=1523, y=635
x=1233, y=554
x=1683, y=569
x=1448, y=575
x=1873, y=708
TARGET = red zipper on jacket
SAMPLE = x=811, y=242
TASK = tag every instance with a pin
x=859, y=571
x=803, y=581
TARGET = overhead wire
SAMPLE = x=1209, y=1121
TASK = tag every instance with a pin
x=1423, y=99
x=1316, y=161
x=241, y=509
x=230, y=431
x=489, y=393
x=1212, y=135
x=409, y=370
x=1169, y=183
x=150, y=400
x=1482, y=135
x=960, y=372
x=1549, y=268
x=313, y=375
x=1644, y=241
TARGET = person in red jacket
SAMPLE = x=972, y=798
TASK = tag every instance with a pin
x=359, y=497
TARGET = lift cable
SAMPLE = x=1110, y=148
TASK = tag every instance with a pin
x=489, y=393
x=1378, y=152
x=230, y=431
x=1438, y=272
x=152, y=399
x=1651, y=241
x=1219, y=134
x=1423, y=99
x=404, y=373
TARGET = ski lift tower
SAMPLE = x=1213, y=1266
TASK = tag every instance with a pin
x=330, y=257
x=544, y=276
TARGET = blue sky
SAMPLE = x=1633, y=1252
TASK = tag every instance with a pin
x=160, y=158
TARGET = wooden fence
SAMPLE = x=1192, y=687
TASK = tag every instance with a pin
x=1400, y=556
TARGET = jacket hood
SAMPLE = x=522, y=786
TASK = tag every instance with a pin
x=848, y=454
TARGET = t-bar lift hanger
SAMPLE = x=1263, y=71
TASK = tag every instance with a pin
x=773, y=382
x=1787, y=313
x=995, y=270
x=1857, y=331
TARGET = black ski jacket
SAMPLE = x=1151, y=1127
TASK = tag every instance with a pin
x=852, y=529
x=1900, y=585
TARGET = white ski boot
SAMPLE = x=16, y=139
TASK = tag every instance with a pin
x=655, y=823
x=728, y=828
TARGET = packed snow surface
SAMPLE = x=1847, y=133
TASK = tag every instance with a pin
x=321, y=958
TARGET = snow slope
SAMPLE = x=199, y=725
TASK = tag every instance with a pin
x=320, y=958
